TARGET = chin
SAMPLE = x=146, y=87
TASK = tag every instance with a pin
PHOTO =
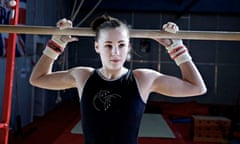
x=116, y=67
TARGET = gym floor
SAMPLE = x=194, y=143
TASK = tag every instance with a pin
x=55, y=126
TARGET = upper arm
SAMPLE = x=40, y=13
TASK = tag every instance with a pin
x=153, y=81
x=55, y=80
x=172, y=86
x=175, y=87
x=62, y=79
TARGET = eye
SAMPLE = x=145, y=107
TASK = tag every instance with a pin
x=108, y=46
x=122, y=45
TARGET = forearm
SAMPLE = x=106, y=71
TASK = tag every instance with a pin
x=191, y=74
x=191, y=83
x=42, y=75
x=41, y=69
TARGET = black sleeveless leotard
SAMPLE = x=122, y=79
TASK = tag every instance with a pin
x=111, y=111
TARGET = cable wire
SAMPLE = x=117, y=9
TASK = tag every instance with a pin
x=74, y=14
x=97, y=4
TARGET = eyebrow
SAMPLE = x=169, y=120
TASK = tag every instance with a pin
x=118, y=41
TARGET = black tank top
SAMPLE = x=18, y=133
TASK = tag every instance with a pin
x=111, y=111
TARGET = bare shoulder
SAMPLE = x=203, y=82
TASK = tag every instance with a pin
x=145, y=79
x=145, y=73
x=81, y=71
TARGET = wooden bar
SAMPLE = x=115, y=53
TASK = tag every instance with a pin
x=134, y=33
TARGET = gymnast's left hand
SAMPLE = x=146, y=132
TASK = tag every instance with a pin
x=169, y=27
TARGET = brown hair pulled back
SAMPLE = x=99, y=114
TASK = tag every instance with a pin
x=106, y=22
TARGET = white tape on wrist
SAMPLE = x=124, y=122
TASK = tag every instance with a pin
x=53, y=49
x=185, y=57
x=175, y=43
x=178, y=52
x=50, y=53
x=58, y=41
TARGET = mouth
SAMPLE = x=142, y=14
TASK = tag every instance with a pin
x=115, y=60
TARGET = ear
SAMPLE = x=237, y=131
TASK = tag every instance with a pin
x=129, y=47
x=96, y=47
x=129, y=56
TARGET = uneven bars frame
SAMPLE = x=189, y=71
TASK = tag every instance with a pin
x=134, y=33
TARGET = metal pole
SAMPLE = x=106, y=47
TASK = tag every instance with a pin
x=9, y=74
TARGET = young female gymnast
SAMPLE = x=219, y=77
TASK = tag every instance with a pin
x=113, y=97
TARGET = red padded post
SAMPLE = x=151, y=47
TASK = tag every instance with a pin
x=9, y=77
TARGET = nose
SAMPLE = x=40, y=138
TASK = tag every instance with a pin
x=115, y=50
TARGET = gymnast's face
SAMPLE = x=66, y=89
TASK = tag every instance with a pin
x=113, y=47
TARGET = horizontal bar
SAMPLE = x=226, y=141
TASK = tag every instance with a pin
x=134, y=33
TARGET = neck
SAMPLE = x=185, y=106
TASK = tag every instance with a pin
x=112, y=74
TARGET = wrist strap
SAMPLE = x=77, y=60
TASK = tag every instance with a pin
x=184, y=57
x=53, y=50
x=55, y=46
x=179, y=54
x=50, y=53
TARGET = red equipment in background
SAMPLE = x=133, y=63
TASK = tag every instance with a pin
x=9, y=76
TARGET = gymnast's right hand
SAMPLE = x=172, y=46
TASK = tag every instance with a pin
x=57, y=43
